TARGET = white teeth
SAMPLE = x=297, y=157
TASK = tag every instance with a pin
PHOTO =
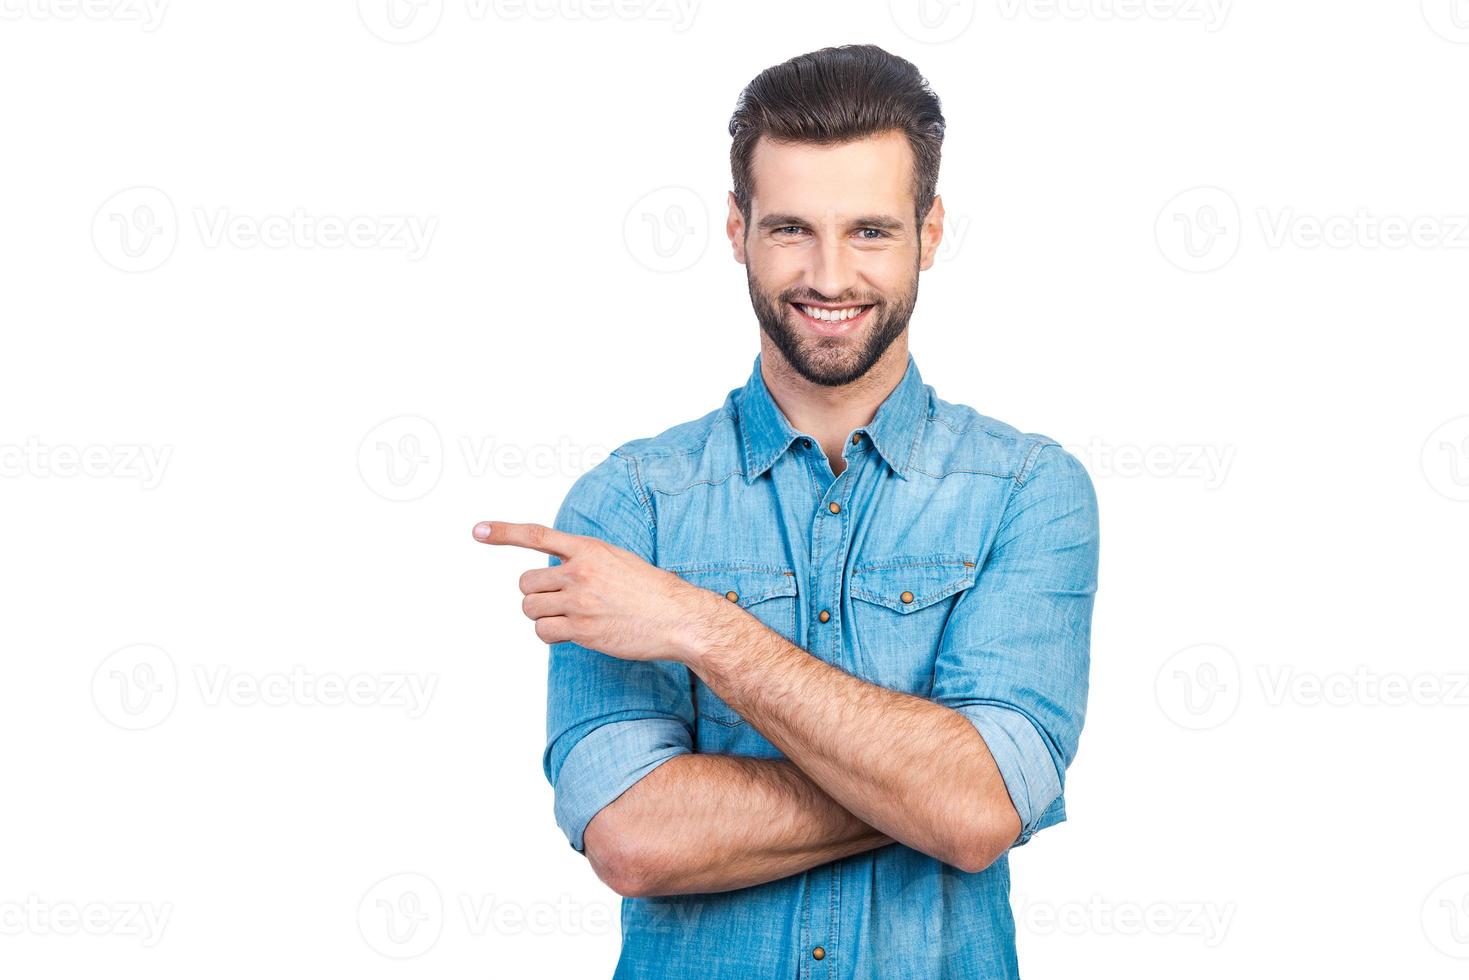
x=832, y=316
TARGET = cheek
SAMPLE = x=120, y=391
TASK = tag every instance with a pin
x=891, y=271
x=777, y=267
x=773, y=279
x=897, y=281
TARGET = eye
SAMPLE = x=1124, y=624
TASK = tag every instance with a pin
x=787, y=228
x=876, y=233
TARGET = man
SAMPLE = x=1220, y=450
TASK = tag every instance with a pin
x=819, y=658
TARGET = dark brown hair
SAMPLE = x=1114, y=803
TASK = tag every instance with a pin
x=836, y=95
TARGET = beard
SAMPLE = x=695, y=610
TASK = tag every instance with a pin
x=831, y=361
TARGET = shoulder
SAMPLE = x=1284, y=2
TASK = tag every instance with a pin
x=958, y=438
x=702, y=450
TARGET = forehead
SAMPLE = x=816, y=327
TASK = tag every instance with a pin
x=870, y=175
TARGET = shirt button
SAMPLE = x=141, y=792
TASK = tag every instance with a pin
x=818, y=953
x=733, y=596
x=834, y=507
x=906, y=597
x=856, y=438
x=823, y=615
x=806, y=443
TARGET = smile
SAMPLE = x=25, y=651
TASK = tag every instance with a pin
x=832, y=320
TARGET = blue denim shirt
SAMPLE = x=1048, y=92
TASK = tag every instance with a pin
x=960, y=567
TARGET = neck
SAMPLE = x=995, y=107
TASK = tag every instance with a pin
x=829, y=414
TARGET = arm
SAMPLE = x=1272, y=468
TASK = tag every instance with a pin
x=958, y=776
x=915, y=769
x=650, y=815
x=962, y=776
x=708, y=823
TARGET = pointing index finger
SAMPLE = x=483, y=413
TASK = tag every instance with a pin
x=537, y=537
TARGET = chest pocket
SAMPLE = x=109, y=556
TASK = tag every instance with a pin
x=765, y=591
x=898, y=614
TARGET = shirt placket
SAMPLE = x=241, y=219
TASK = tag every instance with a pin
x=830, y=536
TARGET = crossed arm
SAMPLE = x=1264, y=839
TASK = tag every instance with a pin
x=957, y=776
x=709, y=823
x=864, y=767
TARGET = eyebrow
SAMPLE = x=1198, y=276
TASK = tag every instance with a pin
x=882, y=221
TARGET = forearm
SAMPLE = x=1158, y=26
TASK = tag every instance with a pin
x=709, y=823
x=916, y=770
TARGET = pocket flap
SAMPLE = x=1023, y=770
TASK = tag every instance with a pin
x=747, y=583
x=908, y=584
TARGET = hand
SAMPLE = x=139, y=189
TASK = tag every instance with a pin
x=604, y=597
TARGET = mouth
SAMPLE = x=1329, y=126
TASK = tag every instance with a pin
x=832, y=321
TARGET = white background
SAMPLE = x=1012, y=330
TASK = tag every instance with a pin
x=239, y=474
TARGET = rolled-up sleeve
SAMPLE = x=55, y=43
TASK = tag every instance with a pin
x=1016, y=650
x=609, y=722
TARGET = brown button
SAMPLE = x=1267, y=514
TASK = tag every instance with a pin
x=906, y=597
x=834, y=507
x=818, y=953
x=856, y=438
x=732, y=596
x=823, y=615
x=806, y=443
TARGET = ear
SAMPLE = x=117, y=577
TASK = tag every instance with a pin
x=734, y=227
x=931, y=233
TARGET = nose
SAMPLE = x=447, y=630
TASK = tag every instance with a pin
x=833, y=272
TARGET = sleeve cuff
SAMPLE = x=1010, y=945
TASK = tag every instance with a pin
x=605, y=764
x=1024, y=762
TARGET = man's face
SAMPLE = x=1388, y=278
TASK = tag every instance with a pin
x=832, y=251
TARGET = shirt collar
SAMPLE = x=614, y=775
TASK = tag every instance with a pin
x=895, y=428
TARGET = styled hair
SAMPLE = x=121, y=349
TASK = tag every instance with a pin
x=836, y=95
